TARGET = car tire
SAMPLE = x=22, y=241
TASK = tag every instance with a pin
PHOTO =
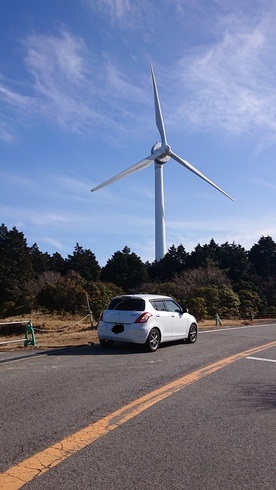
x=153, y=340
x=192, y=335
x=106, y=343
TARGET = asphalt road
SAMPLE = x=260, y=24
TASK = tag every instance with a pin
x=217, y=432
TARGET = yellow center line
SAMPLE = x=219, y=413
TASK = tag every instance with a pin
x=22, y=473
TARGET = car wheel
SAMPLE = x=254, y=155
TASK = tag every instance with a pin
x=106, y=343
x=192, y=336
x=153, y=340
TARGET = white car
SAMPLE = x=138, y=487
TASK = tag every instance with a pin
x=145, y=319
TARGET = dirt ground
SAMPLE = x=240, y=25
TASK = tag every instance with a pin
x=55, y=331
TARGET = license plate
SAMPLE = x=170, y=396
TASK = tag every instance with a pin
x=118, y=328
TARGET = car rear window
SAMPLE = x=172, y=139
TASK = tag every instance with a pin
x=127, y=304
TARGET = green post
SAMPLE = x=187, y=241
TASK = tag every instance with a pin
x=29, y=330
x=218, y=320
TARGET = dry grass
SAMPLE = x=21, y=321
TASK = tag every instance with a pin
x=51, y=331
x=55, y=331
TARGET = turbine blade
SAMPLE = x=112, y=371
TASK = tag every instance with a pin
x=197, y=172
x=158, y=113
x=134, y=168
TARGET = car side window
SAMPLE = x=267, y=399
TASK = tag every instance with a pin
x=172, y=305
x=158, y=305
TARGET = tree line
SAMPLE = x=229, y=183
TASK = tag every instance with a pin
x=224, y=279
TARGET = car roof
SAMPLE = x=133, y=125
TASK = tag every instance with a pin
x=143, y=296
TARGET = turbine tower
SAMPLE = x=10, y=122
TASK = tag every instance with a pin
x=160, y=154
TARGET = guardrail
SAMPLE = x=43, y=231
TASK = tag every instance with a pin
x=29, y=338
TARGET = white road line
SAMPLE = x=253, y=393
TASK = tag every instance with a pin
x=260, y=359
x=217, y=330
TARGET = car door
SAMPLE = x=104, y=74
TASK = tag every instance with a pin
x=163, y=318
x=179, y=321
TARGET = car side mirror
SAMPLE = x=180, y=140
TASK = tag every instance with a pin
x=184, y=309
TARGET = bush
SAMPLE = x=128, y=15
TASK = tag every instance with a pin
x=100, y=294
x=7, y=309
x=271, y=311
x=67, y=294
x=197, y=307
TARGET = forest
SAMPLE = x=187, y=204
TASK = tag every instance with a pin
x=212, y=279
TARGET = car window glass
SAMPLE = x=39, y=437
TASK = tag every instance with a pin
x=158, y=305
x=127, y=304
x=172, y=305
x=114, y=302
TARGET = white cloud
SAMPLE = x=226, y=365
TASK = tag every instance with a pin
x=60, y=73
x=121, y=12
x=5, y=134
x=60, y=56
x=244, y=231
x=64, y=88
x=13, y=98
x=119, y=8
x=57, y=244
x=227, y=85
x=270, y=185
x=231, y=84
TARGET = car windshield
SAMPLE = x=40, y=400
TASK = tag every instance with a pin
x=127, y=304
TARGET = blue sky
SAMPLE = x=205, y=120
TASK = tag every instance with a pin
x=77, y=108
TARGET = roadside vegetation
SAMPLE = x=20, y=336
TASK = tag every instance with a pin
x=213, y=279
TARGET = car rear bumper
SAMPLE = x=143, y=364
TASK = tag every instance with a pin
x=132, y=333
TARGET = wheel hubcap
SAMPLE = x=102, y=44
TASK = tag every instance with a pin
x=154, y=340
x=193, y=333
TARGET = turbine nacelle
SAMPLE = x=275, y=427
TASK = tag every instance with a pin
x=164, y=158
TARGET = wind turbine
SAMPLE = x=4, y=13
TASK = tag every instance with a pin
x=160, y=154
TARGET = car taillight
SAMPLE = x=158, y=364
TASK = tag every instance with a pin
x=143, y=318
